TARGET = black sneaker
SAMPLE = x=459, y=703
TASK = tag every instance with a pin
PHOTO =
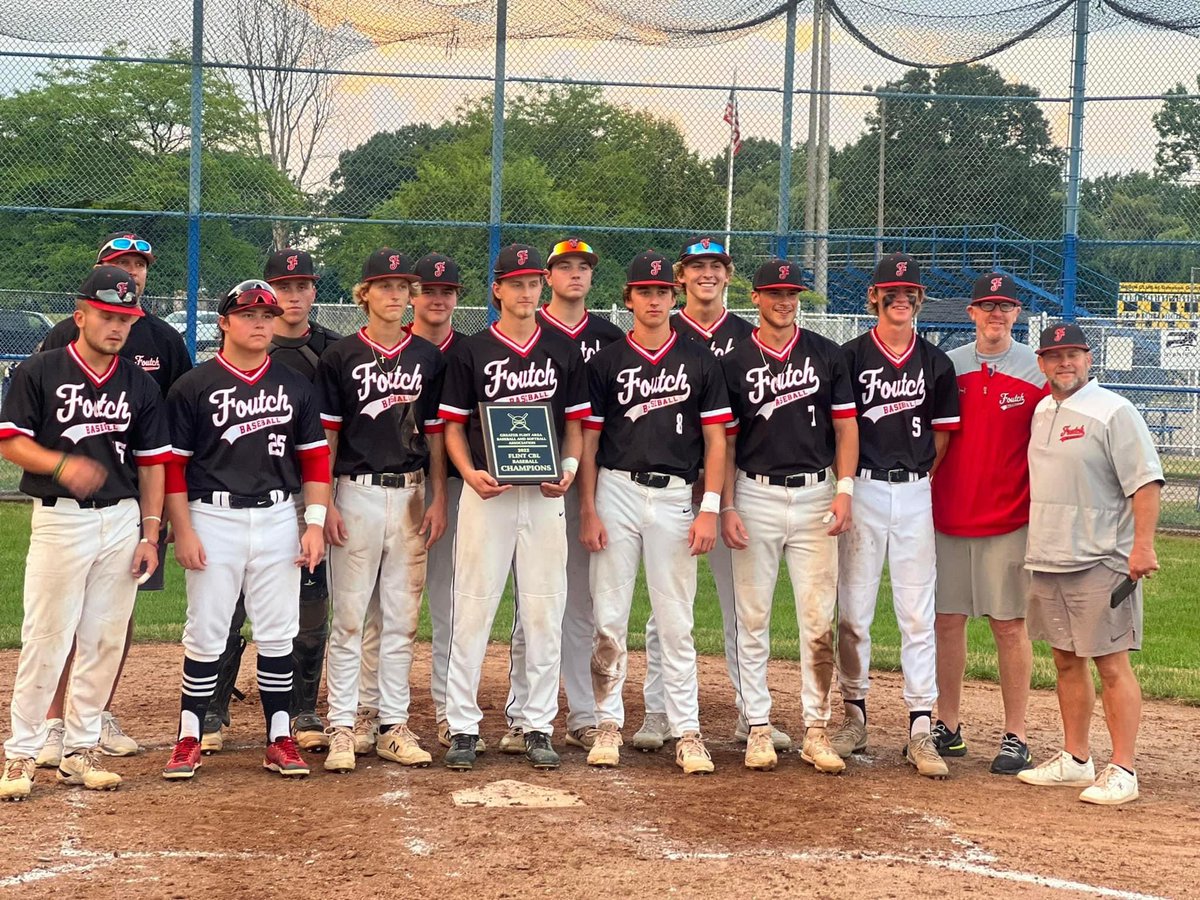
x=538, y=750
x=461, y=754
x=1014, y=756
x=949, y=743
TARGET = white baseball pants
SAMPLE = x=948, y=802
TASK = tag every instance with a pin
x=383, y=556
x=785, y=522
x=578, y=632
x=650, y=523
x=251, y=552
x=892, y=521
x=523, y=531
x=78, y=589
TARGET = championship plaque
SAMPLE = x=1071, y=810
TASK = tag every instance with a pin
x=520, y=442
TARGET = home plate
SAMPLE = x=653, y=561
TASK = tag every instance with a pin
x=511, y=793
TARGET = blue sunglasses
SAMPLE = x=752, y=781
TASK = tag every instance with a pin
x=701, y=250
x=126, y=244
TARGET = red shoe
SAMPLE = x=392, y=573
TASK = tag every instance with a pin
x=185, y=759
x=284, y=757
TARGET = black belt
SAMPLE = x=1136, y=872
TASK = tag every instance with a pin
x=650, y=479
x=390, y=479
x=801, y=479
x=892, y=476
x=83, y=504
x=240, y=501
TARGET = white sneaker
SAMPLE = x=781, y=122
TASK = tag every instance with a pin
x=341, y=756
x=1061, y=770
x=114, y=741
x=51, y=754
x=1114, y=787
x=780, y=740
x=84, y=768
x=655, y=732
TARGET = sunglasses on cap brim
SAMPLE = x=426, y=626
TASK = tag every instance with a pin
x=128, y=245
x=699, y=249
x=250, y=294
x=562, y=248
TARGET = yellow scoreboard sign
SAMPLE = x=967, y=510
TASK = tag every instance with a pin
x=1159, y=304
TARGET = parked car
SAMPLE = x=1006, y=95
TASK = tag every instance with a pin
x=21, y=331
x=208, y=334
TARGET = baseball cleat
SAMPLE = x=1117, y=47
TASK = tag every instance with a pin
x=655, y=732
x=1114, y=787
x=606, y=746
x=539, y=752
x=1060, y=770
x=851, y=737
x=400, y=745
x=461, y=755
x=309, y=732
x=779, y=740
x=760, y=751
x=818, y=752
x=184, y=761
x=922, y=753
x=581, y=737
x=84, y=768
x=341, y=756
x=212, y=742
x=113, y=740
x=18, y=778
x=1014, y=756
x=444, y=737
x=949, y=743
x=283, y=756
x=51, y=753
x=692, y=756
x=513, y=741
x=366, y=731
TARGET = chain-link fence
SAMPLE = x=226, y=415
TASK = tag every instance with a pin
x=1058, y=140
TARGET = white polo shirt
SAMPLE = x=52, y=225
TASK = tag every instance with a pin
x=1088, y=455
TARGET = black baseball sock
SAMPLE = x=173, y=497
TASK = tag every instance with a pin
x=199, y=682
x=860, y=705
x=275, y=690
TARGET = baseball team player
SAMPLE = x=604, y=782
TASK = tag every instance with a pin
x=158, y=350
x=378, y=390
x=246, y=436
x=793, y=418
x=907, y=402
x=88, y=429
x=569, y=270
x=704, y=269
x=981, y=517
x=297, y=342
x=514, y=360
x=658, y=410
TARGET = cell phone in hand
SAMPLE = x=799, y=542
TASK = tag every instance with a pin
x=1123, y=590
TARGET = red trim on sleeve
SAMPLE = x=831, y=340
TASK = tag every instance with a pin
x=733, y=428
x=314, y=465
x=435, y=428
x=717, y=417
x=452, y=415
x=592, y=424
x=158, y=459
x=947, y=426
x=845, y=413
x=581, y=412
x=331, y=424
x=176, y=476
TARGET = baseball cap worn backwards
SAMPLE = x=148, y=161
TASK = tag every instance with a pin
x=1062, y=335
x=289, y=263
x=118, y=243
x=111, y=289
x=650, y=268
x=388, y=263
x=897, y=270
x=517, y=259
x=571, y=247
x=438, y=269
x=250, y=294
x=704, y=245
x=778, y=274
x=995, y=286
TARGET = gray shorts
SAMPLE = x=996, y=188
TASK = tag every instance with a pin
x=1071, y=611
x=982, y=576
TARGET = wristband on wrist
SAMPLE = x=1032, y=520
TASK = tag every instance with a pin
x=570, y=464
x=726, y=509
x=846, y=485
x=152, y=519
x=711, y=502
x=314, y=514
x=58, y=469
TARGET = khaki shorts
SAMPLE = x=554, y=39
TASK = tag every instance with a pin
x=1071, y=611
x=982, y=576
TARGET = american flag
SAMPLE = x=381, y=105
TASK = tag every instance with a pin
x=731, y=116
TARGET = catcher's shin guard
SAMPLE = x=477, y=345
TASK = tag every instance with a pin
x=229, y=665
x=308, y=649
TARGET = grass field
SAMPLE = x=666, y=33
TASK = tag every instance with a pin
x=1168, y=666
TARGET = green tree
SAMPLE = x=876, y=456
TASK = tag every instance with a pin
x=374, y=170
x=1178, y=127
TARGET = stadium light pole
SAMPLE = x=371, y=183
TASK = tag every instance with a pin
x=497, y=151
x=194, y=144
x=783, y=222
x=1071, y=206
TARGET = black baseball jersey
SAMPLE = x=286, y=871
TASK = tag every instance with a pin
x=115, y=417
x=382, y=402
x=784, y=403
x=591, y=334
x=303, y=353
x=153, y=345
x=244, y=432
x=726, y=333
x=901, y=401
x=650, y=406
x=489, y=367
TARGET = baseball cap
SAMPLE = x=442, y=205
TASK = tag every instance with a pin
x=517, y=259
x=650, y=268
x=897, y=270
x=778, y=273
x=572, y=247
x=439, y=269
x=388, y=263
x=247, y=295
x=703, y=245
x=118, y=243
x=995, y=286
x=1062, y=334
x=111, y=289
x=288, y=263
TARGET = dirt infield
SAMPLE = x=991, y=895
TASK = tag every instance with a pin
x=643, y=829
